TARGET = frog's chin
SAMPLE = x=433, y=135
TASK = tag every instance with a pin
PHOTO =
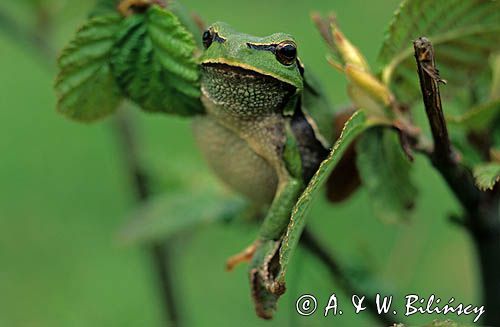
x=243, y=91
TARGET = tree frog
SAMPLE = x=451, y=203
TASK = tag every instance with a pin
x=260, y=120
x=259, y=135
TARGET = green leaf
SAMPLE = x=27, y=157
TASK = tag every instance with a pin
x=356, y=125
x=487, y=175
x=385, y=172
x=154, y=63
x=470, y=155
x=187, y=19
x=104, y=7
x=495, y=78
x=463, y=32
x=171, y=213
x=495, y=135
x=85, y=87
x=478, y=118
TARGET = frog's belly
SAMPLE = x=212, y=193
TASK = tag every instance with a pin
x=234, y=162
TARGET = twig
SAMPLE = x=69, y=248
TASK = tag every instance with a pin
x=159, y=251
x=313, y=245
x=443, y=158
x=38, y=42
x=482, y=208
x=429, y=79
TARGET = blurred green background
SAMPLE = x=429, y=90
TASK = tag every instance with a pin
x=64, y=193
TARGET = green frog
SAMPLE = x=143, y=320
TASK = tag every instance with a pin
x=259, y=118
x=265, y=133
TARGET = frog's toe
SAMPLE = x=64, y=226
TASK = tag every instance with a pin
x=276, y=288
x=244, y=256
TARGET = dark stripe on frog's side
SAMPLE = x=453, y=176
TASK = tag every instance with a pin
x=312, y=151
x=218, y=38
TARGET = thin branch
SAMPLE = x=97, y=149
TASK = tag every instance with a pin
x=458, y=177
x=310, y=242
x=482, y=208
x=429, y=79
x=159, y=251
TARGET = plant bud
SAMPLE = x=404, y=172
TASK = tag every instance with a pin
x=349, y=53
x=369, y=85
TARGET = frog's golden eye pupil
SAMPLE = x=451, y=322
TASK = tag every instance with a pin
x=207, y=38
x=286, y=53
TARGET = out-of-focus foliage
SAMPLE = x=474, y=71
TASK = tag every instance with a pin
x=104, y=7
x=483, y=116
x=463, y=32
x=487, y=175
x=173, y=213
x=382, y=166
x=478, y=118
x=385, y=172
x=466, y=35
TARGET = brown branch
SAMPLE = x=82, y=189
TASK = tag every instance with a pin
x=443, y=157
x=429, y=83
x=310, y=242
x=482, y=208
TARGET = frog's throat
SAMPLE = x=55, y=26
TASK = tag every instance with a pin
x=242, y=92
x=248, y=69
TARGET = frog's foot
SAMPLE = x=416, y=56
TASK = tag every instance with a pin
x=267, y=262
x=265, y=279
x=244, y=256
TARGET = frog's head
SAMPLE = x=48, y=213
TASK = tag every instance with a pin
x=273, y=58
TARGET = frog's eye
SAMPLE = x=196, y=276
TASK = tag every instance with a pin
x=286, y=52
x=207, y=38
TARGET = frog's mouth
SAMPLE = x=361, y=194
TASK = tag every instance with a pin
x=243, y=72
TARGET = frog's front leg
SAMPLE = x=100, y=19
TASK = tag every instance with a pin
x=265, y=262
x=275, y=222
x=265, y=265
